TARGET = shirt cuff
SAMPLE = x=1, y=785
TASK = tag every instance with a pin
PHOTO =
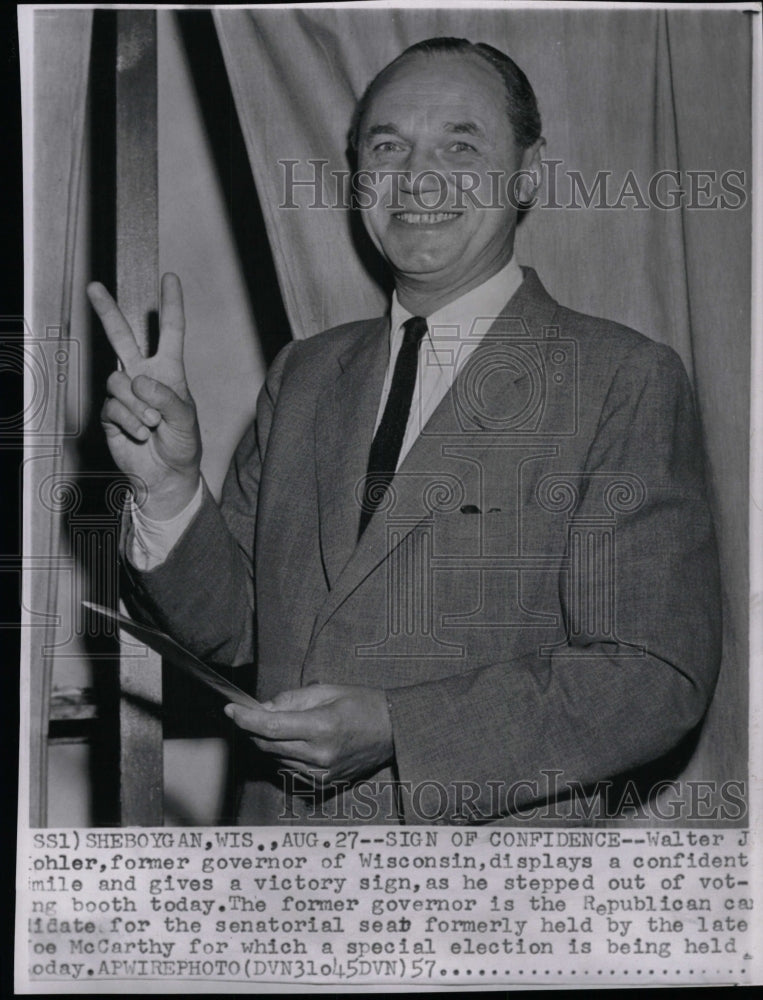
x=151, y=541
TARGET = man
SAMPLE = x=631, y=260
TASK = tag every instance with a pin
x=466, y=545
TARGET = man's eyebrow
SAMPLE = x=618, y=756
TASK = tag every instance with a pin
x=463, y=128
x=385, y=129
x=457, y=128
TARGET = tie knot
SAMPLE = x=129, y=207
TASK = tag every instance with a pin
x=414, y=330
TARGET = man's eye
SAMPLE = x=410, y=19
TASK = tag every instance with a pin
x=388, y=146
x=463, y=147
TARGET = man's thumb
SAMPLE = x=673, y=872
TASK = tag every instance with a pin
x=172, y=408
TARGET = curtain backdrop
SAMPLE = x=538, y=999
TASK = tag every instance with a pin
x=619, y=91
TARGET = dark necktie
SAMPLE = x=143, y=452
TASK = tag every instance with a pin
x=388, y=440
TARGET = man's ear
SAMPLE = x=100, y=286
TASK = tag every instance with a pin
x=530, y=172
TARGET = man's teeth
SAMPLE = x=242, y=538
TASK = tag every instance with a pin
x=425, y=218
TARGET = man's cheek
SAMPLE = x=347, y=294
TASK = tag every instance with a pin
x=469, y=189
x=365, y=194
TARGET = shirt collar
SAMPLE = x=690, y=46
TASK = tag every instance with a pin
x=454, y=320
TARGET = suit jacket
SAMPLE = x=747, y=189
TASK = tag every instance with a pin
x=538, y=596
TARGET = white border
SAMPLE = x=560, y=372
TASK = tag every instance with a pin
x=755, y=763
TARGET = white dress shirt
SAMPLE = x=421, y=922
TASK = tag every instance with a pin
x=453, y=333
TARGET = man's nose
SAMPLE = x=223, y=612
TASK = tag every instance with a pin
x=420, y=158
x=424, y=179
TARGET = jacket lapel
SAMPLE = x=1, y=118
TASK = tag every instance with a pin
x=344, y=427
x=348, y=411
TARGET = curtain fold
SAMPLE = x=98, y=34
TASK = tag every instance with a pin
x=60, y=46
x=625, y=95
x=711, y=60
x=281, y=72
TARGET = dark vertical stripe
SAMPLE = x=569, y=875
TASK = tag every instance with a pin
x=137, y=264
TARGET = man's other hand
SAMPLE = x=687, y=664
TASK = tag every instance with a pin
x=149, y=416
x=342, y=731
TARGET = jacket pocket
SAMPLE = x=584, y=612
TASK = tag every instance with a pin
x=472, y=535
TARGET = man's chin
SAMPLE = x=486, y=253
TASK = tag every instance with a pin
x=424, y=262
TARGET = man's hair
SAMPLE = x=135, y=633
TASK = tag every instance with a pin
x=522, y=106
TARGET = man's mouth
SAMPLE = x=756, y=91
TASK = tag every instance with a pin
x=425, y=218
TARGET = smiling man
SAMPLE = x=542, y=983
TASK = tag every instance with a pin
x=466, y=546
x=441, y=128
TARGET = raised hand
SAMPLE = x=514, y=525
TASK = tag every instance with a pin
x=149, y=416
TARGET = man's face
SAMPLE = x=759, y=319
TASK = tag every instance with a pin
x=445, y=114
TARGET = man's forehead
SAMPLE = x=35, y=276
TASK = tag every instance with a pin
x=452, y=91
x=437, y=75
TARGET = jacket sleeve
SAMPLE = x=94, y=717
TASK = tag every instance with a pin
x=593, y=707
x=203, y=593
